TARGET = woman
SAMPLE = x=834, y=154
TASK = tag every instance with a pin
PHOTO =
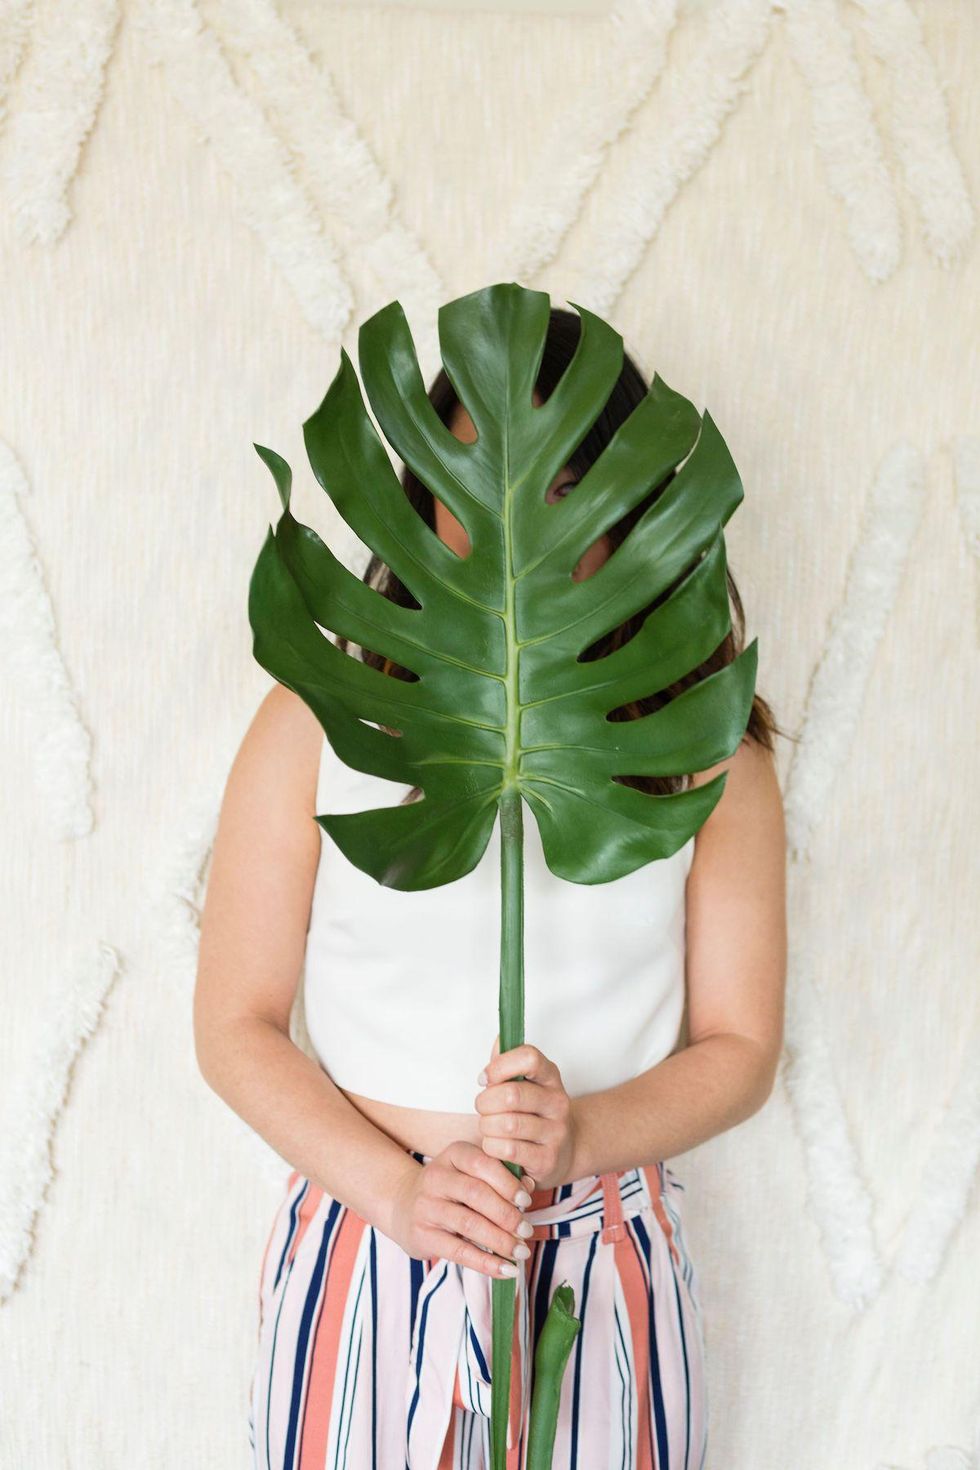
x=374, y=1292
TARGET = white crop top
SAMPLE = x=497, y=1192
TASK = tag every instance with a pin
x=401, y=988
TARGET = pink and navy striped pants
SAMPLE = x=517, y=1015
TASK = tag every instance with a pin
x=371, y=1360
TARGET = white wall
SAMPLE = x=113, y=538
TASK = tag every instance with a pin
x=776, y=206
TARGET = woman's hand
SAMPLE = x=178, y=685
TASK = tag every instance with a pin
x=465, y=1207
x=529, y=1123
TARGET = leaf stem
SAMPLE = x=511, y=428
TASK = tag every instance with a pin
x=511, y=1016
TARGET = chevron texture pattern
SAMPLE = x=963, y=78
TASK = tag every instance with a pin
x=200, y=200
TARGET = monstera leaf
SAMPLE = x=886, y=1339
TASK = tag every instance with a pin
x=501, y=701
x=503, y=710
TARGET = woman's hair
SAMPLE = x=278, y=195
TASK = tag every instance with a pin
x=562, y=338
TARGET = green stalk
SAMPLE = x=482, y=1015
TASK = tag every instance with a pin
x=511, y=1017
x=560, y=1326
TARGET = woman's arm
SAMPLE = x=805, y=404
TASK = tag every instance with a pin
x=736, y=970
x=462, y=1205
x=253, y=939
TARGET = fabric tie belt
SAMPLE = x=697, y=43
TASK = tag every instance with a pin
x=452, y=1333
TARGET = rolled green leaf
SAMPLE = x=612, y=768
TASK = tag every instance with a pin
x=550, y=1358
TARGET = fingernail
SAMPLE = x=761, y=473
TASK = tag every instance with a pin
x=522, y=1199
x=482, y=1079
x=521, y=1252
x=506, y=1268
x=525, y=1228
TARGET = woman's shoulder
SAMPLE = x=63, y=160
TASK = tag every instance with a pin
x=752, y=761
x=287, y=717
x=279, y=754
x=751, y=794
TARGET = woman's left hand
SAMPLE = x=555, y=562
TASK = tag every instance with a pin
x=529, y=1123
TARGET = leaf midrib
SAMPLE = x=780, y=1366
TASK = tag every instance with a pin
x=511, y=685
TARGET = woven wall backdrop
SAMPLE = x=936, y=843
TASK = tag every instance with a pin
x=775, y=203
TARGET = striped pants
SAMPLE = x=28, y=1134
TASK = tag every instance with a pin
x=371, y=1360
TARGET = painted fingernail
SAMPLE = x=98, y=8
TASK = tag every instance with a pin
x=507, y=1268
x=521, y=1252
x=482, y=1079
x=522, y=1199
x=525, y=1228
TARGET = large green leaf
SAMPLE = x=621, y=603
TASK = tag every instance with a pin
x=501, y=699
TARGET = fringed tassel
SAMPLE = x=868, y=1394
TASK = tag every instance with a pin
x=840, y=1201
x=271, y=200
x=668, y=145
x=568, y=164
x=62, y=746
x=840, y=680
x=919, y=124
x=845, y=133
x=61, y=90
x=355, y=198
x=33, y=1112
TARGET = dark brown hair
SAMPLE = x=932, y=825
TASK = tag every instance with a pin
x=560, y=344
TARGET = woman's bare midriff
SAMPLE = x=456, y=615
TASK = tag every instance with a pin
x=426, y=1130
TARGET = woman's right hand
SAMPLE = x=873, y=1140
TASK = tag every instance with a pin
x=458, y=1202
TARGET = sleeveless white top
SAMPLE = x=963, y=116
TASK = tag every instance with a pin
x=401, y=988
